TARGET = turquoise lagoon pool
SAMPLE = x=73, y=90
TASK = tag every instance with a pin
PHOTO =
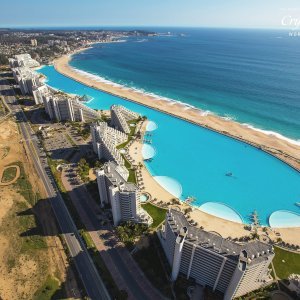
x=148, y=151
x=192, y=161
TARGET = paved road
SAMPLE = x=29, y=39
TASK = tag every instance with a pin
x=91, y=280
x=122, y=266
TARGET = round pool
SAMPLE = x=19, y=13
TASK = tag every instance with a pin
x=148, y=151
x=145, y=197
x=151, y=126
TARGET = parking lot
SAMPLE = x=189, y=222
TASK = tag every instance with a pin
x=58, y=146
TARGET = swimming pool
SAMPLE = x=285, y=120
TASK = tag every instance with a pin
x=191, y=160
x=148, y=151
x=144, y=197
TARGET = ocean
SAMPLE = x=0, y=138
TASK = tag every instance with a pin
x=251, y=76
x=190, y=160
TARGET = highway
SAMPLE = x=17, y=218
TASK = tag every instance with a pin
x=91, y=280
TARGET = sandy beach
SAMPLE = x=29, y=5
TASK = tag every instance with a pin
x=283, y=149
x=210, y=222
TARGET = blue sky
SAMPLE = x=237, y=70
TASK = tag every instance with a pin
x=198, y=13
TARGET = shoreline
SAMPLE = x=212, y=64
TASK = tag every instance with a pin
x=287, y=152
x=225, y=227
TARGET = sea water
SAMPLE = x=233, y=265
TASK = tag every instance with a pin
x=229, y=178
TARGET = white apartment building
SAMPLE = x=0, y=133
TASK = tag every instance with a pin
x=62, y=107
x=26, y=79
x=33, y=42
x=21, y=66
x=225, y=266
x=105, y=139
x=23, y=60
x=123, y=197
x=120, y=116
x=39, y=92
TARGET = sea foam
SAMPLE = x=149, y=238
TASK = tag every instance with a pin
x=186, y=106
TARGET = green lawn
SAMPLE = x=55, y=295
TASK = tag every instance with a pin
x=53, y=164
x=48, y=289
x=30, y=229
x=23, y=186
x=132, y=177
x=290, y=265
x=123, y=145
x=9, y=174
x=158, y=214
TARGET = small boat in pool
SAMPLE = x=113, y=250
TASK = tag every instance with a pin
x=297, y=204
x=229, y=174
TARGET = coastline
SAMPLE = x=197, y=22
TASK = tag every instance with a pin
x=225, y=227
x=280, y=148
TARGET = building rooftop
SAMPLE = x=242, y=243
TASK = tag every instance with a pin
x=25, y=73
x=251, y=252
x=115, y=174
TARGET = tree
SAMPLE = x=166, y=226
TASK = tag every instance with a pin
x=98, y=164
x=82, y=162
x=3, y=59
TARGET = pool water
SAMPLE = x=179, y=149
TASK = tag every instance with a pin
x=222, y=211
x=148, y=151
x=151, y=126
x=282, y=218
x=144, y=198
x=193, y=161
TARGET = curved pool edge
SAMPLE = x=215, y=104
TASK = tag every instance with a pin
x=197, y=124
x=222, y=211
x=148, y=151
x=151, y=126
x=284, y=219
x=171, y=185
x=258, y=147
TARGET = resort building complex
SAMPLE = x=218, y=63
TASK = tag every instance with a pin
x=63, y=107
x=105, y=139
x=225, y=266
x=120, y=116
x=123, y=197
x=39, y=92
x=23, y=60
x=59, y=106
x=26, y=79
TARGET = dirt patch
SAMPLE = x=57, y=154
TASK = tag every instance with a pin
x=30, y=248
x=22, y=265
x=4, y=152
x=92, y=175
x=6, y=202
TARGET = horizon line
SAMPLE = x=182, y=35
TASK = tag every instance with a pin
x=133, y=26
